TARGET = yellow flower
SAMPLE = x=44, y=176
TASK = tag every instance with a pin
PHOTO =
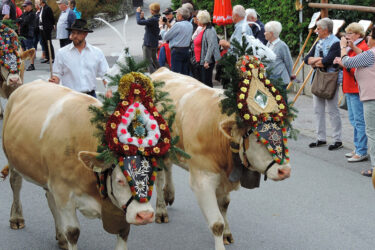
x=246, y=81
x=113, y=125
x=251, y=66
x=162, y=126
x=246, y=116
x=151, y=104
x=268, y=81
x=255, y=118
x=281, y=114
x=141, y=149
x=136, y=91
x=242, y=96
x=239, y=106
x=166, y=140
x=248, y=73
x=125, y=103
x=117, y=113
x=261, y=76
x=281, y=106
x=115, y=140
x=243, y=89
x=157, y=150
x=273, y=89
x=278, y=97
x=156, y=114
x=126, y=147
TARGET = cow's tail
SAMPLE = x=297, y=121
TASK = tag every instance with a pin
x=4, y=172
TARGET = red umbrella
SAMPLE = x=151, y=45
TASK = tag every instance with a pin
x=222, y=12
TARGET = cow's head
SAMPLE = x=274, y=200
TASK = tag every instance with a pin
x=254, y=152
x=118, y=189
x=11, y=77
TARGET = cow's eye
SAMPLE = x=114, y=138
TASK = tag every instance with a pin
x=121, y=182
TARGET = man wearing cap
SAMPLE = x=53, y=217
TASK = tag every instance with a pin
x=66, y=19
x=79, y=63
x=179, y=37
x=151, y=37
x=27, y=25
x=167, y=23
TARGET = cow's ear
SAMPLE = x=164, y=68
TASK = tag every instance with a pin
x=28, y=54
x=90, y=160
x=230, y=130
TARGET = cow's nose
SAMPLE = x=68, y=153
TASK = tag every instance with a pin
x=145, y=217
x=284, y=173
x=14, y=80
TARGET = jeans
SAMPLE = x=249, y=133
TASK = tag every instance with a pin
x=162, y=57
x=369, y=113
x=27, y=43
x=180, y=60
x=356, y=118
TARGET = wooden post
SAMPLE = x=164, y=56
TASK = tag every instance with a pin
x=50, y=57
x=324, y=12
x=303, y=48
x=342, y=7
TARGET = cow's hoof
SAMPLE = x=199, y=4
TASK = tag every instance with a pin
x=161, y=218
x=17, y=223
x=168, y=196
x=228, y=239
x=61, y=241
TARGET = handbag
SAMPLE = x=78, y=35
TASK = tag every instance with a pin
x=324, y=84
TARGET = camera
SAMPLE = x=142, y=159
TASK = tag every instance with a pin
x=165, y=19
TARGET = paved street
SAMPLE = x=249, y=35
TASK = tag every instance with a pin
x=325, y=204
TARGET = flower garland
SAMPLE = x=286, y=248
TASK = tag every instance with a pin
x=9, y=56
x=246, y=64
x=138, y=104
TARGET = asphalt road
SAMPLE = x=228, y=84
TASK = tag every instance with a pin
x=325, y=204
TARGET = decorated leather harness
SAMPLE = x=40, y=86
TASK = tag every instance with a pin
x=9, y=56
x=137, y=134
x=263, y=110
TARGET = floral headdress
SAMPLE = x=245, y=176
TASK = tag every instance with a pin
x=9, y=56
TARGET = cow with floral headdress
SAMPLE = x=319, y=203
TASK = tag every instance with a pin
x=11, y=62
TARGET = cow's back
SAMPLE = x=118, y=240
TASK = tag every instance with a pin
x=198, y=116
x=45, y=126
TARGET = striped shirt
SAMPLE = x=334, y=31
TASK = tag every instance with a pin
x=365, y=59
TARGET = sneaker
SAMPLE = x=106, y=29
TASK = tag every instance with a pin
x=350, y=155
x=31, y=67
x=335, y=146
x=317, y=144
x=358, y=158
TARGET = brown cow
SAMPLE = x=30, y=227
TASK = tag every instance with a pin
x=205, y=134
x=48, y=139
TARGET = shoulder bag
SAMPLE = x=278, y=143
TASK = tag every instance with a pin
x=324, y=84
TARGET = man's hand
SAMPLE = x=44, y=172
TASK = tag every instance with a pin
x=139, y=9
x=225, y=44
x=206, y=65
x=54, y=79
x=108, y=93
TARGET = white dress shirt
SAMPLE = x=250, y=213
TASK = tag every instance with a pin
x=62, y=24
x=78, y=71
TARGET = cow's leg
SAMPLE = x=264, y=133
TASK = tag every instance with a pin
x=161, y=215
x=16, y=216
x=169, y=186
x=204, y=185
x=61, y=240
x=223, y=202
x=66, y=211
x=1, y=111
x=122, y=238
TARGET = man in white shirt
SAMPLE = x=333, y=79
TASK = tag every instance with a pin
x=78, y=64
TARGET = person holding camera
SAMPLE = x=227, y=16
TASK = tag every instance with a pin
x=165, y=23
x=151, y=37
x=27, y=25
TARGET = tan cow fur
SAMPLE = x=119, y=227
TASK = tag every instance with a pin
x=205, y=134
x=47, y=138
